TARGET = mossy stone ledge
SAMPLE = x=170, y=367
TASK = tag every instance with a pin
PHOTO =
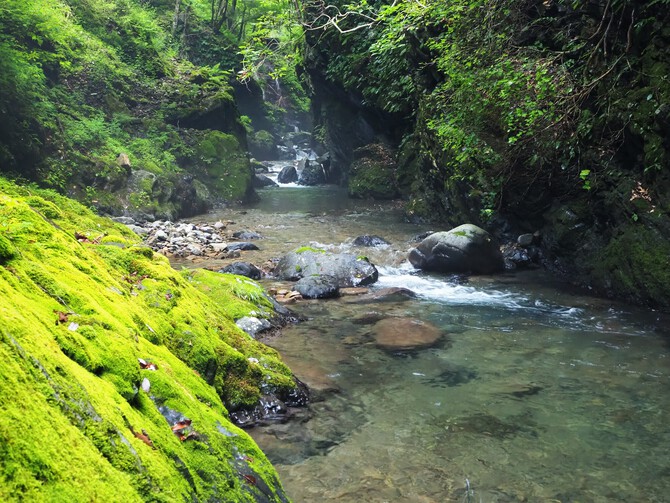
x=119, y=372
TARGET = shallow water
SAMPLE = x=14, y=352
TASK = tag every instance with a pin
x=534, y=393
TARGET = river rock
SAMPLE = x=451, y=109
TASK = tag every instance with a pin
x=312, y=174
x=464, y=249
x=392, y=294
x=525, y=240
x=242, y=245
x=405, y=334
x=242, y=269
x=288, y=174
x=348, y=269
x=318, y=287
x=261, y=181
x=368, y=240
x=252, y=325
x=247, y=235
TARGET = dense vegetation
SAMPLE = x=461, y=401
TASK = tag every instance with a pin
x=128, y=105
x=547, y=116
x=517, y=115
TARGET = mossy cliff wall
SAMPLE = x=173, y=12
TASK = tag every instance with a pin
x=117, y=372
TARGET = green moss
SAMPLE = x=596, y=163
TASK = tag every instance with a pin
x=370, y=179
x=7, y=250
x=74, y=402
x=224, y=165
x=635, y=265
x=304, y=249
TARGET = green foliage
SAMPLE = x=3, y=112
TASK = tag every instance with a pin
x=82, y=81
x=505, y=98
x=270, y=53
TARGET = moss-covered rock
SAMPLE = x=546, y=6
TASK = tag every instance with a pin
x=221, y=163
x=373, y=173
x=635, y=265
x=115, y=367
x=263, y=146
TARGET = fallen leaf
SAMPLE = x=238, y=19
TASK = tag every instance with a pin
x=191, y=435
x=181, y=425
x=144, y=437
x=250, y=479
x=145, y=365
x=62, y=317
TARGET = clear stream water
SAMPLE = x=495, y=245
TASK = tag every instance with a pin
x=535, y=394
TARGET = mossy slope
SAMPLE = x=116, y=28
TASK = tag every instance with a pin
x=77, y=314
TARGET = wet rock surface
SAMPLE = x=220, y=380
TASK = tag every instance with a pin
x=288, y=174
x=318, y=287
x=367, y=240
x=242, y=269
x=405, y=334
x=348, y=269
x=464, y=249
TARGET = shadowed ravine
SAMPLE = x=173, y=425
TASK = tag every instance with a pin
x=533, y=394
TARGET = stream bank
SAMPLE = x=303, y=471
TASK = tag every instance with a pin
x=533, y=391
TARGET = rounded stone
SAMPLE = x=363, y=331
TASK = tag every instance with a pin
x=403, y=334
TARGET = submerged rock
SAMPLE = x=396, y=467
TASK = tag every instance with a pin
x=368, y=240
x=390, y=294
x=464, y=249
x=405, y=334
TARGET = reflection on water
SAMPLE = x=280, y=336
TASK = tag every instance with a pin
x=533, y=395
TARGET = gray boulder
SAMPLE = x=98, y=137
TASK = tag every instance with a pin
x=370, y=240
x=312, y=174
x=464, y=249
x=318, y=287
x=347, y=269
x=242, y=245
x=288, y=174
x=261, y=181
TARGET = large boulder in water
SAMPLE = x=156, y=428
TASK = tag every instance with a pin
x=242, y=269
x=312, y=174
x=288, y=174
x=261, y=181
x=348, y=269
x=370, y=240
x=464, y=249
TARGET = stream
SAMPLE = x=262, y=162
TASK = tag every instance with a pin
x=537, y=393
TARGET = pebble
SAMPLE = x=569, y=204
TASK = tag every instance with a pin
x=187, y=240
